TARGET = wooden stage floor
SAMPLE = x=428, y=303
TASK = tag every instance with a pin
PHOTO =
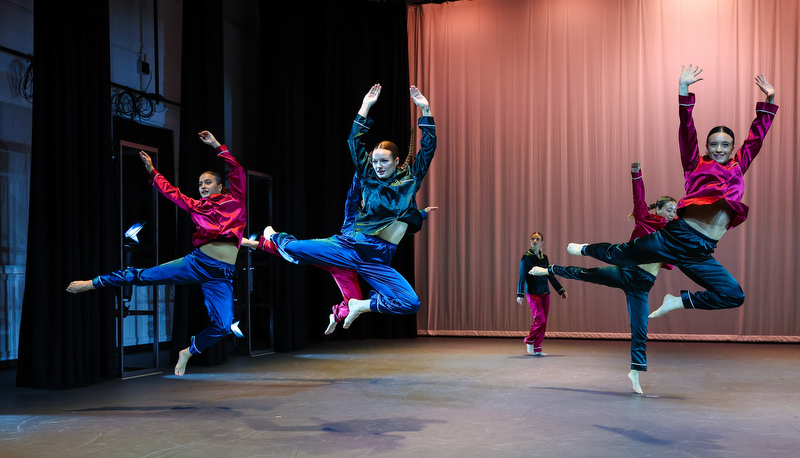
x=430, y=396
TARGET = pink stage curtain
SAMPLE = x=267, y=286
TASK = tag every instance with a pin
x=542, y=105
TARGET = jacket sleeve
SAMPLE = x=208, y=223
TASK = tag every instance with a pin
x=237, y=177
x=640, y=211
x=422, y=161
x=553, y=280
x=523, y=271
x=358, y=151
x=687, y=133
x=171, y=192
x=765, y=114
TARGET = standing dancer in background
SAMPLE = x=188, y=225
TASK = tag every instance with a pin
x=220, y=218
x=634, y=281
x=537, y=291
x=389, y=211
x=712, y=205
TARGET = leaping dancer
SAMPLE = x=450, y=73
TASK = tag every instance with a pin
x=635, y=281
x=220, y=218
x=712, y=205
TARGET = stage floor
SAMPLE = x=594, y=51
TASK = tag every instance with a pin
x=430, y=396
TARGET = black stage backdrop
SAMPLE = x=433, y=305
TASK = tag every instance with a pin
x=68, y=340
x=202, y=108
x=318, y=60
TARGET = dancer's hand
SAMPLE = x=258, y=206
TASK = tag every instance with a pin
x=519, y=300
x=420, y=101
x=430, y=209
x=369, y=99
x=766, y=88
x=148, y=163
x=207, y=138
x=563, y=295
x=688, y=76
x=636, y=166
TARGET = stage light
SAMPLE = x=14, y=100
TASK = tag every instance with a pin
x=132, y=231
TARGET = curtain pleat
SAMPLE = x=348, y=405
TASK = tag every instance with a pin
x=543, y=106
x=69, y=340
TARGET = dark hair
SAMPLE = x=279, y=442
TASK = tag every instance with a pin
x=389, y=146
x=659, y=204
x=217, y=177
x=724, y=130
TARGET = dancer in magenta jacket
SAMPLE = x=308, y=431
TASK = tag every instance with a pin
x=712, y=206
x=634, y=281
x=220, y=217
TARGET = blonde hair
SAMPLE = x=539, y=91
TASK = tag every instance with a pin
x=659, y=204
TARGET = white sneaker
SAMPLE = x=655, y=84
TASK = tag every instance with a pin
x=530, y=349
x=539, y=353
x=236, y=331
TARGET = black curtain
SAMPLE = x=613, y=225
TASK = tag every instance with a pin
x=202, y=108
x=318, y=61
x=69, y=340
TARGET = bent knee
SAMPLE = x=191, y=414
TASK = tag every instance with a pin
x=736, y=300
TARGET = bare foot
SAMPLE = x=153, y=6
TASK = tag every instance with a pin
x=331, y=324
x=575, y=248
x=268, y=231
x=357, y=307
x=538, y=271
x=183, y=358
x=634, y=376
x=80, y=286
x=670, y=303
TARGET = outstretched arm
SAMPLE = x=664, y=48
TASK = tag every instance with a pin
x=369, y=100
x=766, y=88
x=688, y=76
x=420, y=101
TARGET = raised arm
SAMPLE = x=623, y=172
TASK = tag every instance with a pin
x=640, y=210
x=369, y=100
x=765, y=114
x=422, y=160
x=361, y=125
x=164, y=187
x=687, y=132
x=236, y=174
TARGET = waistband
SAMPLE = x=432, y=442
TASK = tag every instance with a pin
x=374, y=239
x=685, y=226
